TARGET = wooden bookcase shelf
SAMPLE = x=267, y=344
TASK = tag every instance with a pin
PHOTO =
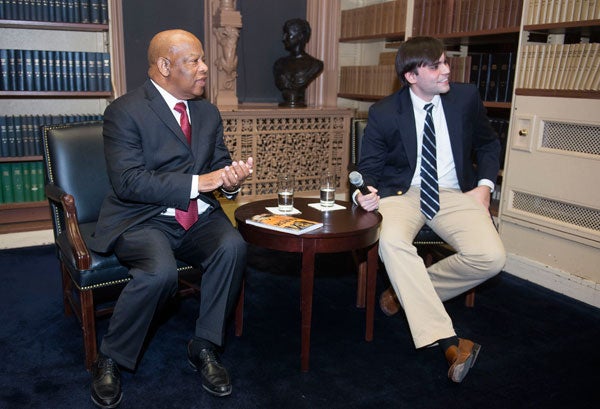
x=500, y=105
x=557, y=93
x=508, y=35
x=21, y=158
x=25, y=216
x=50, y=25
x=360, y=97
x=55, y=94
x=582, y=26
x=374, y=98
x=399, y=36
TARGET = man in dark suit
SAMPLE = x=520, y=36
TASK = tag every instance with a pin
x=166, y=155
x=414, y=181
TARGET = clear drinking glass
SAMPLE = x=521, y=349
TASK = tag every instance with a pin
x=285, y=193
x=327, y=189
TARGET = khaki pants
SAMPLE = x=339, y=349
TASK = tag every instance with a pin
x=464, y=224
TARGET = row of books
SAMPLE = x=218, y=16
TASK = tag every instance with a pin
x=21, y=182
x=435, y=17
x=376, y=19
x=41, y=70
x=369, y=80
x=500, y=125
x=460, y=68
x=494, y=75
x=560, y=66
x=491, y=73
x=555, y=11
x=21, y=135
x=63, y=11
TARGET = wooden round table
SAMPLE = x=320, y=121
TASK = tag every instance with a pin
x=343, y=230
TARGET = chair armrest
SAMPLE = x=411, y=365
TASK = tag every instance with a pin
x=77, y=245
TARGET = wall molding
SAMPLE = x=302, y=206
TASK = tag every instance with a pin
x=562, y=282
x=26, y=239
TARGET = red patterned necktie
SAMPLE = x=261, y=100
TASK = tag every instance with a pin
x=186, y=219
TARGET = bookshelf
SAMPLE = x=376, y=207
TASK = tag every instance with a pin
x=550, y=209
x=366, y=71
x=36, y=38
x=570, y=48
x=481, y=36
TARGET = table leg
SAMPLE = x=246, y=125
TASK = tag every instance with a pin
x=372, y=265
x=307, y=278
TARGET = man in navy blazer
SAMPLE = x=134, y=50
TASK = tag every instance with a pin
x=467, y=161
x=161, y=208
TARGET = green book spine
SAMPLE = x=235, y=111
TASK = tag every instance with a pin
x=40, y=181
x=26, y=171
x=7, y=191
x=17, y=182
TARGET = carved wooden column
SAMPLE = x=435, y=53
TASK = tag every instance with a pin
x=222, y=30
x=324, y=19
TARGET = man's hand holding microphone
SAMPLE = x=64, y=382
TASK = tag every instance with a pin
x=366, y=196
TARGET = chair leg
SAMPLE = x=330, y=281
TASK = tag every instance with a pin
x=470, y=298
x=67, y=288
x=88, y=325
x=239, y=313
x=428, y=258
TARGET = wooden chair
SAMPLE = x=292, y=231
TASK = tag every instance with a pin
x=76, y=183
x=429, y=244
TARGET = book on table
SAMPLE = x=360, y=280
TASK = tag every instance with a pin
x=283, y=223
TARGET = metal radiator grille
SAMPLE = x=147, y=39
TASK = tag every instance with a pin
x=559, y=211
x=571, y=137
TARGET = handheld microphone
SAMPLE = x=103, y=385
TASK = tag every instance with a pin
x=357, y=181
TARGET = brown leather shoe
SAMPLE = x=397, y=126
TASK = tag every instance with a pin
x=388, y=302
x=461, y=359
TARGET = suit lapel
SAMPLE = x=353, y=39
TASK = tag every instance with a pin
x=158, y=105
x=195, y=115
x=405, y=122
x=453, y=121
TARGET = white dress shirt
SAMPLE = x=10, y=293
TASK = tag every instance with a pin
x=171, y=102
x=446, y=167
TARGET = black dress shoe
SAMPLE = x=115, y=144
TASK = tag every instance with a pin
x=106, y=383
x=215, y=378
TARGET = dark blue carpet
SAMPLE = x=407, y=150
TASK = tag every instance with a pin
x=540, y=349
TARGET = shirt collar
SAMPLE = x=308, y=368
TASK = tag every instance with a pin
x=420, y=103
x=169, y=99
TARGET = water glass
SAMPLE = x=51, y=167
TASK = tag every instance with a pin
x=285, y=193
x=327, y=189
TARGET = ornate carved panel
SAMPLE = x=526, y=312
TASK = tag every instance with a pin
x=304, y=142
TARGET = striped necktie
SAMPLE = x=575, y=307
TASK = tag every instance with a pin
x=430, y=200
x=186, y=218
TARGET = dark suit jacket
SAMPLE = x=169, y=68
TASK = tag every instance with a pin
x=150, y=164
x=389, y=147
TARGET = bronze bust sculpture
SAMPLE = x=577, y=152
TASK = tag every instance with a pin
x=296, y=71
